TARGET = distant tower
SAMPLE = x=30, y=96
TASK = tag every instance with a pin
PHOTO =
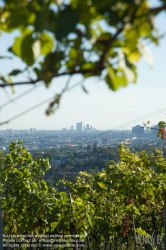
x=87, y=126
x=79, y=126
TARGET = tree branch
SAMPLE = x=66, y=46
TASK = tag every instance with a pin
x=6, y=84
x=33, y=82
x=112, y=39
x=100, y=63
x=157, y=9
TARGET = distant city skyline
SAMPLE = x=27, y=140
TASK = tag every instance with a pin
x=134, y=129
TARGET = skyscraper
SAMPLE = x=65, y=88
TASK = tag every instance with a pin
x=79, y=126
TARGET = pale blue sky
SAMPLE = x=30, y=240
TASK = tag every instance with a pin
x=101, y=108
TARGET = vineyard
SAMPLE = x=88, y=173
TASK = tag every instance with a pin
x=118, y=208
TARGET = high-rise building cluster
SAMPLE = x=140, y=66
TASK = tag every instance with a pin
x=88, y=127
x=80, y=127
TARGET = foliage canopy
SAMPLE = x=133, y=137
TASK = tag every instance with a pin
x=97, y=205
x=92, y=38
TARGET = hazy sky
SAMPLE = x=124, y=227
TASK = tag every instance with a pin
x=101, y=108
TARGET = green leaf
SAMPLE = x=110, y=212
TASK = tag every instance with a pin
x=73, y=53
x=101, y=184
x=9, y=80
x=114, y=80
x=47, y=43
x=66, y=23
x=22, y=47
x=88, y=65
x=3, y=79
x=15, y=72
